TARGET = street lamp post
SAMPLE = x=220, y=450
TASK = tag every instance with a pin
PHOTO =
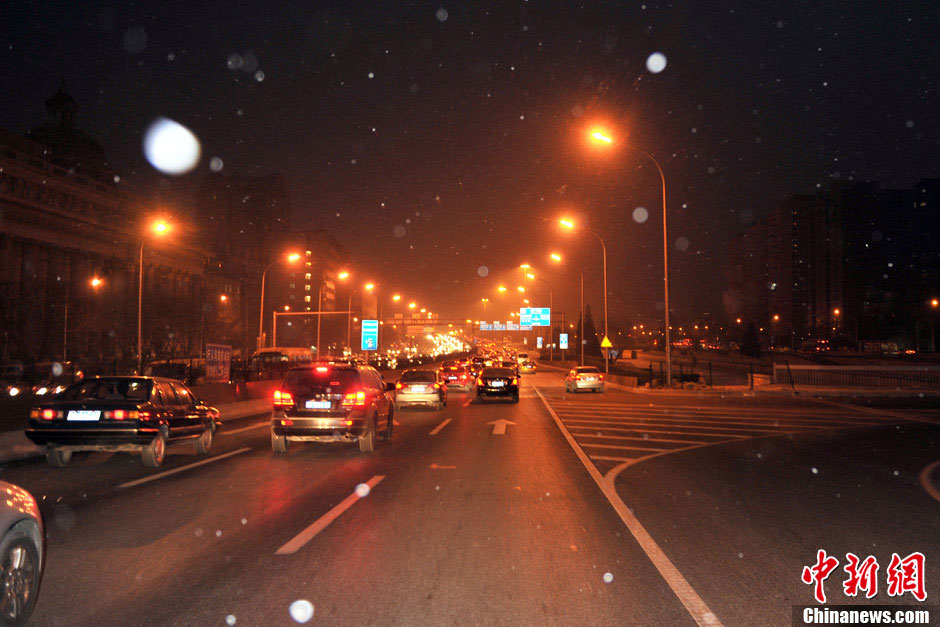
x=291, y=258
x=570, y=225
x=557, y=258
x=601, y=137
x=159, y=228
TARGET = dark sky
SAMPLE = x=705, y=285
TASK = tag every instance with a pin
x=441, y=141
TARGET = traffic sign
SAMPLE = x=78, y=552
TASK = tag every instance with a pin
x=605, y=343
x=538, y=342
x=370, y=335
x=563, y=341
x=535, y=316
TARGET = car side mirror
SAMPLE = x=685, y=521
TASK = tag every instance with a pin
x=389, y=386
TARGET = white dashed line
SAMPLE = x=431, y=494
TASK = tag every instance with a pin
x=305, y=536
x=440, y=426
x=161, y=475
x=266, y=423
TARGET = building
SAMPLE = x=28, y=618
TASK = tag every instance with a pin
x=853, y=265
x=69, y=218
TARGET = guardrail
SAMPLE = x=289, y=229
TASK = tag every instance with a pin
x=897, y=377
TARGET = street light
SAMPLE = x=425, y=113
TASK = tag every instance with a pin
x=501, y=289
x=160, y=228
x=557, y=259
x=290, y=258
x=484, y=301
x=223, y=298
x=599, y=136
x=568, y=224
x=521, y=289
x=396, y=297
x=96, y=282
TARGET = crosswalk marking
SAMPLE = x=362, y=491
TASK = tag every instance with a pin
x=610, y=431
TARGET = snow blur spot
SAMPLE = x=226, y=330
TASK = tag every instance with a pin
x=441, y=14
x=740, y=555
x=362, y=490
x=656, y=62
x=244, y=521
x=56, y=369
x=371, y=75
x=234, y=61
x=218, y=533
x=780, y=24
x=682, y=244
x=171, y=147
x=117, y=179
x=876, y=236
x=301, y=610
x=171, y=57
x=909, y=124
x=640, y=215
x=197, y=532
x=259, y=76
x=216, y=164
x=135, y=40
x=711, y=169
x=608, y=577
x=483, y=271
x=398, y=231
x=895, y=473
x=249, y=62
x=230, y=620
x=815, y=471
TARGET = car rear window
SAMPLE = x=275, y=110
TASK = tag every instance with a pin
x=135, y=390
x=317, y=380
x=587, y=369
x=498, y=372
x=418, y=375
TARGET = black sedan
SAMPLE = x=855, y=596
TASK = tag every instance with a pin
x=498, y=381
x=122, y=414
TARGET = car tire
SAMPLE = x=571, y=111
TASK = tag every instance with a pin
x=440, y=406
x=153, y=453
x=204, y=441
x=367, y=439
x=279, y=443
x=20, y=573
x=391, y=426
x=515, y=399
x=58, y=457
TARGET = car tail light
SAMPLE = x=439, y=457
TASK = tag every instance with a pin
x=121, y=414
x=283, y=399
x=515, y=381
x=323, y=369
x=437, y=386
x=287, y=422
x=602, y=377
x=355, y=399
x=479, y=381
x=48, y=414
x=398, y=386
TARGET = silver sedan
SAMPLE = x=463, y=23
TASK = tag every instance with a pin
x=585, y=378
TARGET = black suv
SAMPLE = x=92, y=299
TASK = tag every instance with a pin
x=332, y=402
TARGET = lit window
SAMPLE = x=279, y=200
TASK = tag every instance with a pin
x=309, y=264
x=306, y=288
x=306, y=299
x=308, y=276
x=309, y=253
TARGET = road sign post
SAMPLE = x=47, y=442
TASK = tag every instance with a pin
x=370, y=335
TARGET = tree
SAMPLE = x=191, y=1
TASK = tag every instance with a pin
x=593, y=346
x=750, y=342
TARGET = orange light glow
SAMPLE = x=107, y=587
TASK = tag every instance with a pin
x=598, y=135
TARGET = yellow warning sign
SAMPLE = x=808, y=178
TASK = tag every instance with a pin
x=606, y=343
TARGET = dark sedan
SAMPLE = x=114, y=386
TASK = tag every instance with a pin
x=498, y=381
x=142, y=414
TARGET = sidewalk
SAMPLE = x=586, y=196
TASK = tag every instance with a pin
x=14, y=445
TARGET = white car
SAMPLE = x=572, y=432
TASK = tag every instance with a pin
x=22, y=544
x=585, y=378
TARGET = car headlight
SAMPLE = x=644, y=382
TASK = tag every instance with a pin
x=14, y=391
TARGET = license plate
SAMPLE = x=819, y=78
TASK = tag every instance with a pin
x=319, y=404
x=589, y=378
x=83, y=414
x=417, y=388
x=497, y=384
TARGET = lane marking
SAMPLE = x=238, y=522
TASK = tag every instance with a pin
x=640, y=438
x=629, y=448
x=438, y=428
x=499, y=426
x=305, y=536
x=167, y=473
x=689, y=598
x=924, y=479
x=438, y=467
x=243, y=429
x=468, y=402
x=604, y=458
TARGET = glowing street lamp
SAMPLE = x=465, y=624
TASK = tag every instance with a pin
x=96, y=282
x=289, y=258
x=521, y=289
x=158, y=228
x=569, y=224
x=396, y=297
x=412, y=305
x=598, y=136
x=557, y=259
x=223, y=298
x=501, y=289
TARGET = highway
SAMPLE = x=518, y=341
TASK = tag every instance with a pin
x=621, y=508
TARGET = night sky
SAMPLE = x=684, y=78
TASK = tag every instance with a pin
x=441, y=142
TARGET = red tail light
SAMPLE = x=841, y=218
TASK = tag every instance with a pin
x=437, y=386
x=121, y=414
x=602, y=377
x=398, y=386
x=479, y=381
x=515, y=381
x=355, y=399
x=283, y=399
x=118, y=414
x=48, y=414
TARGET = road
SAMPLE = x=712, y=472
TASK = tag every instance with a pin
x=621, y=508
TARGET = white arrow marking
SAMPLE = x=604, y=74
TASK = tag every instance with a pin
x=499, y=426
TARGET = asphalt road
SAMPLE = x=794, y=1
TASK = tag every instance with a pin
x=710, y=508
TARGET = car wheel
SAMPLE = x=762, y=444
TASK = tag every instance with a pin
x=391, y=426
x=204, y=442
x=153, y=453
x=367, y=439
x=58, y=457
x=20, y=572
x=279, y=443
x=515, y=399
